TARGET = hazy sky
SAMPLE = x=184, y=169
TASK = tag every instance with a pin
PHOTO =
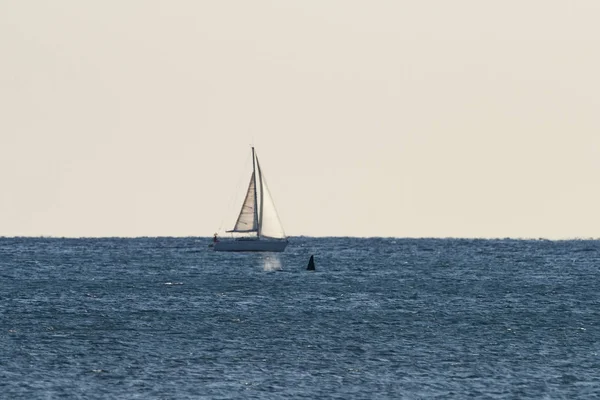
x=437, y=118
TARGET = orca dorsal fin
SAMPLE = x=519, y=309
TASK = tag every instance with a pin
x=311, y=264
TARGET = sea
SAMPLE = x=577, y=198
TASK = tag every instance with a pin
x=379, y=318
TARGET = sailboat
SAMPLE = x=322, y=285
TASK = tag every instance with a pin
x=258, y=222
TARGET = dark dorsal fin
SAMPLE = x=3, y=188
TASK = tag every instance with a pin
x=311, y=264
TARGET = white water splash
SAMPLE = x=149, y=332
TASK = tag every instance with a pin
x=271, y=263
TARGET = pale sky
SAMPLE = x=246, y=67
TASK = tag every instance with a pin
x=430, y=118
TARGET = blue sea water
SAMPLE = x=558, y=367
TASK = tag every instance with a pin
x=164, y=318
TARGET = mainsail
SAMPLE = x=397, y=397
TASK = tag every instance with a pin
x=247, y=220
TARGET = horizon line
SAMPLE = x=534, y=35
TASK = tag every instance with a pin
x=566, y=238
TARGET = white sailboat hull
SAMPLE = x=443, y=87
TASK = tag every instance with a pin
x=259, y=245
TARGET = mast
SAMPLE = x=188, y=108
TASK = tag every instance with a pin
x=256, y=220
x=262, y=196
